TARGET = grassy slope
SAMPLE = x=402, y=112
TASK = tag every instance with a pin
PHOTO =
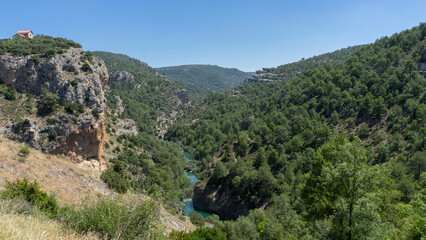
x=69, y=182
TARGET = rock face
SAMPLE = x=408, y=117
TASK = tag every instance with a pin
x=211, y=200
x=120, y=77
x=75, y=77
x=183, y=96
x=126, y=127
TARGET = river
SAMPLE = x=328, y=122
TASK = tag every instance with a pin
x=187, y=203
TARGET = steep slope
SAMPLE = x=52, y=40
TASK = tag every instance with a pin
x=257, y=152
x=70, y=183
x=290, y=70
x=59, y=89
x=200, y=80
x=148, y=98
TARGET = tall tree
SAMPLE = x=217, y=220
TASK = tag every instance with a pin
x=340, y=176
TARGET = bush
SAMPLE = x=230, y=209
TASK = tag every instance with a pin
x=48, y=102
x=25, y=150
x=86, y=67
x=35, y=59
x=32, y=193
x=204, y=233
x=10, y=93
x=116, y=177
x=197, y=219
x=112, y=218
x=52, y=135
x=74, y=108
x=73, y=82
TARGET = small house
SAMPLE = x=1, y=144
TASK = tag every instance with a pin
x=25, y=34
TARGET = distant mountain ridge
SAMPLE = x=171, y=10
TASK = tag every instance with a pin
x=201, y=80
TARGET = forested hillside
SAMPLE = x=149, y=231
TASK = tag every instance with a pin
x=337, y=152
x=142, y=163
x=201, y=80
x=147, y=97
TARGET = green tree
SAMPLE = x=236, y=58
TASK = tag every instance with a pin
x=340, y=178
x=48, y=102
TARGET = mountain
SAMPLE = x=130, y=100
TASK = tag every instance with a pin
x=337, y=151
x=147, y=97
x=201, y=80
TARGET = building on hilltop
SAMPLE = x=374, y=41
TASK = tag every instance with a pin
x=25, y=34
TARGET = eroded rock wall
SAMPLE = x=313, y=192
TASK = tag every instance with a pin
x=74, y=78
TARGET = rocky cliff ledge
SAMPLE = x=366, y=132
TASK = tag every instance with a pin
x=76, y=128
x=218, y=202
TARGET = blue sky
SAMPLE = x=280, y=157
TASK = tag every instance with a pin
x=245, y=34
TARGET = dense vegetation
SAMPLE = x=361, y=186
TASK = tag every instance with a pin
x=338, y=152
x=40, y=44
x=200, y=80
x=303, y=65
x=157, y=169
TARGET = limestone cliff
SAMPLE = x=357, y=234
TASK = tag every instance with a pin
x=77, y=78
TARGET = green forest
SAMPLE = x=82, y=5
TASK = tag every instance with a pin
x=337, y=152
x=202, y=80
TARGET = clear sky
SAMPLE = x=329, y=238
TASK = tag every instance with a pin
x=244, y=34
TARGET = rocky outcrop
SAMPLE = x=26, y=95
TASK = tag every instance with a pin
x=75, y=77
x=126, y=127
x=120, y=77
x=209, y=199
x=120, y=107
x=268, y=75
x=183, y=96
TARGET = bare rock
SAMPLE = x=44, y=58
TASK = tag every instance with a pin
x=183, y=96
x=78, y=136
x=126, y=127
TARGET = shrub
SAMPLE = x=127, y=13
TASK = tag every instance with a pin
x=86, y=67
x=52, y=135
x=35, y=59
x=32, y=193
x=197, y=218
x=25, y=150
x=10, y=93
x=48, y=102
x=204, y=233
x=112, y=218
x=73, y=82
x=74, y=108
x=116, y=177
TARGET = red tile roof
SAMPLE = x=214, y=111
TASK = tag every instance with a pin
x=25, y=31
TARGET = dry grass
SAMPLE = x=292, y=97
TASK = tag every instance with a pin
x=68, y=181
x=31, y=224
x=17, y=226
